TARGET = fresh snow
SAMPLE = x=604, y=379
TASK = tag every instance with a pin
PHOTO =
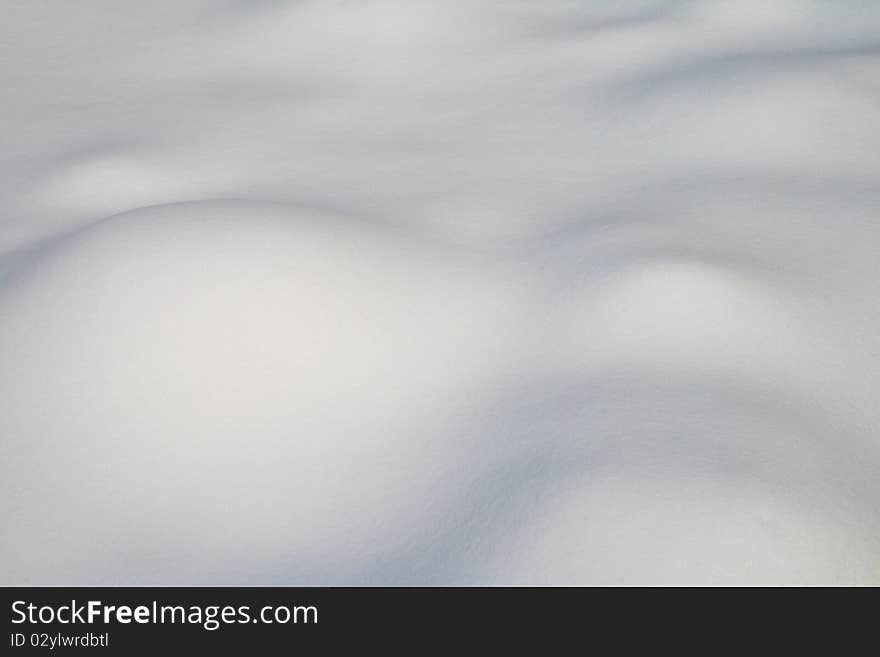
x=440, y=292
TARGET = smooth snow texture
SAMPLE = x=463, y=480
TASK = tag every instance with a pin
x=423, y=292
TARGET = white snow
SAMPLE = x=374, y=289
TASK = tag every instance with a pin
x=423, y=292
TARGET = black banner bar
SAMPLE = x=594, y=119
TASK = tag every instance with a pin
x=152, y=620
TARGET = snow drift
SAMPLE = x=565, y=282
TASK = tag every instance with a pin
x=440, y=292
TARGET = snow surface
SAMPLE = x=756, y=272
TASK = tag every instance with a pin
x=440, y=292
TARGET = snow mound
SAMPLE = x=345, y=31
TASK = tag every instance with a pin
x=421, y=292
x=229, y=381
